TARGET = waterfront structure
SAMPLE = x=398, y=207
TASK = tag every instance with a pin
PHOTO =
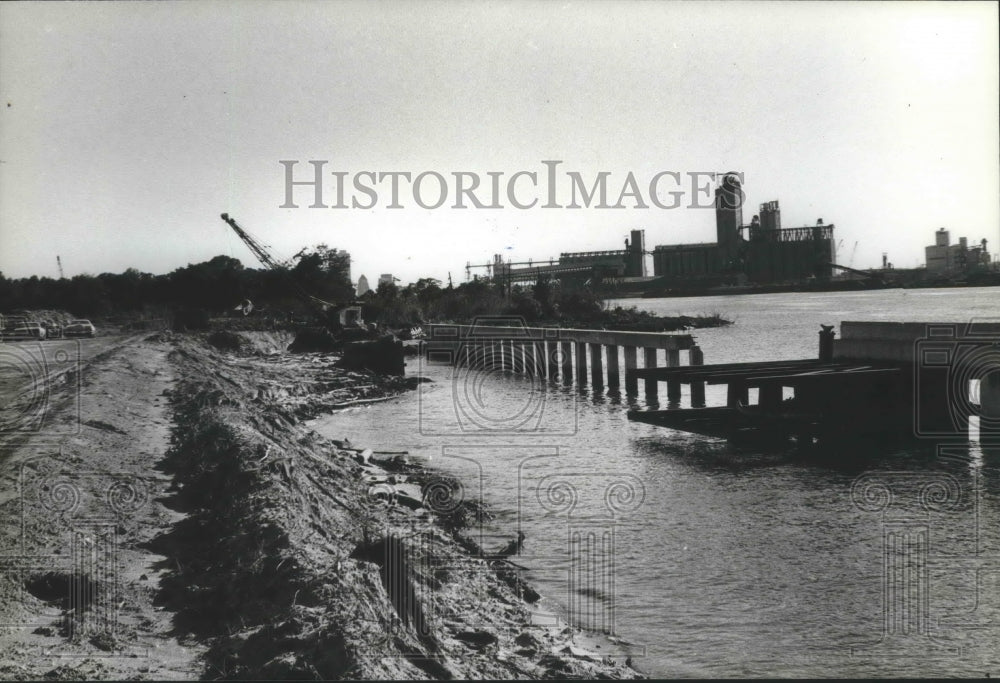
x=767, y=254
x=572, y=355
x=943, y=257
x=907, y=380
x=579, y=265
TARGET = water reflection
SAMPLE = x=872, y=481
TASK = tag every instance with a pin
x=731, y=560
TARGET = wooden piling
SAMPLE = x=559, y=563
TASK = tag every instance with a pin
x=596, y=366
x=697, y=357
x=581, y=363
x=736, y=392
x=769, y=397
x=551, y=354
x=673, y=386
x=567, y=361
x=614, y=375
x=989, y=408
x=631, y=363
x=650, y=384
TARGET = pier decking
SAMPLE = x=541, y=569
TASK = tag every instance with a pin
x=910, y=380
x=899, y=379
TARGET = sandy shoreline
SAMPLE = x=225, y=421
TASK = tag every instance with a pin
x=246, y=545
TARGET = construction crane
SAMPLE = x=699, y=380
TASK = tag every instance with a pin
x=853, y=252
x=256, y=247
x=265, y=257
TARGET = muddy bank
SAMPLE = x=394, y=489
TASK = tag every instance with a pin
x=302, y=557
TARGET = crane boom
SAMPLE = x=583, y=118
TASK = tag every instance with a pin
x=256, y=247
x=265, y=257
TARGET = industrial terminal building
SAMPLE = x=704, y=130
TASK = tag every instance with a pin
x=581, y=266
x=767, y=253
x=943, y=257
x=761, y=253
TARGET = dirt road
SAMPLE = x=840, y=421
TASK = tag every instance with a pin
x=79, y=497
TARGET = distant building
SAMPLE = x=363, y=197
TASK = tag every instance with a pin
x=386, y=279
x=943, y=257
x=579, y=266
x=363, y=287
x=768, y=253
x=627, y=262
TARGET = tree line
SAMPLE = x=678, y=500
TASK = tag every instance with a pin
x=216, y=285
x=198, y=291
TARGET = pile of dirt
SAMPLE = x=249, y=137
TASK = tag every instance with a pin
x=314, y=339
x=224, y=340
x=266, y=343
x=383, y=356
x=304, y=558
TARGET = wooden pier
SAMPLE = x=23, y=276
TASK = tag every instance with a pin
x=595, y=357
x=910, y=380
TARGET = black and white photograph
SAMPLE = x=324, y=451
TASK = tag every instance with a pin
x=521, y=339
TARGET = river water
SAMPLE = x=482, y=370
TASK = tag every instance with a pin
x=712, y=560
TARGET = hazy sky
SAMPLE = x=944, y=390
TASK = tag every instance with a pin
x=129, y=127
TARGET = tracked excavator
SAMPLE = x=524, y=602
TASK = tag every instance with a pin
x=349, y=315
x=342, y=329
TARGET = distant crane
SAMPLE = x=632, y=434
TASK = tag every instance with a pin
x=853, y=252
x=59, y=263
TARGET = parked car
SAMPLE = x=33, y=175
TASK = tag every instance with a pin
x=52, y=330
x=23, y=329
x=79, y=328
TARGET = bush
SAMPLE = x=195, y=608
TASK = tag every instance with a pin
x=190, y=319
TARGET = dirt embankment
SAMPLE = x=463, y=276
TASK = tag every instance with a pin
x=254, y=548
x=303, y=558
